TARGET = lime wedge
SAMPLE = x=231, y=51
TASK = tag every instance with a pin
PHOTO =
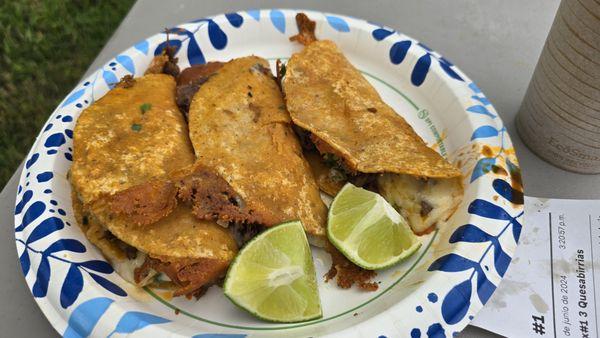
x=273, y=276
x=368, y=230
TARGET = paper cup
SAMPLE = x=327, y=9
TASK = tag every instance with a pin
x=559, y=118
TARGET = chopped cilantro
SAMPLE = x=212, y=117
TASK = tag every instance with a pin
x=136, y=127
x=282, y=70
x=145, y=107
x=330, y=159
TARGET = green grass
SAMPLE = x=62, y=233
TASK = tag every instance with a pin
x=45, y=47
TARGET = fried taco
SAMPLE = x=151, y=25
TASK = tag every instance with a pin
x=360, y=138
x=126, y=147
x=241, y=132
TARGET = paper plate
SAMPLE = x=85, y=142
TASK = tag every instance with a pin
x=435, y=293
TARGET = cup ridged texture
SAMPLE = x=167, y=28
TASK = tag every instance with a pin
x=559, y=118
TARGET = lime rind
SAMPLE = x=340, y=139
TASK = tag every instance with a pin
x=273, y=276
x=367, y=230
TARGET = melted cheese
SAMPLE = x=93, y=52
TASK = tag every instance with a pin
x=408, y=194
x=126, y=268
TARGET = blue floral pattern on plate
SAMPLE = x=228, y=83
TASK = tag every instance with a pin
x=399, y=50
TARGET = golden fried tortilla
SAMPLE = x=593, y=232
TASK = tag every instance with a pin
x=127, y=146
x=129, y=136
x=329, y=98
x=193, y=253
x=178, y=235
x=240, y=129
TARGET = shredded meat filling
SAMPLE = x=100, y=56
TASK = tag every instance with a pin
x=189, y=82
x=280, y=73
x=129, y=251
x=365, y=181
x=425, y=208
x=339, y=170
x=190, y=276
x=213, y=198
x=348, y=273
x=146, y=203
x=244, y=232
x=165, y=63
x=306, y=30
x=304, y=138
x=127, y=81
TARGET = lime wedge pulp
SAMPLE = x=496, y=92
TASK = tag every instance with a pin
x=273, y=276
x=366, y=229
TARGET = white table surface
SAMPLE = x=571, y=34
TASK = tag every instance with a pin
x=495, y=42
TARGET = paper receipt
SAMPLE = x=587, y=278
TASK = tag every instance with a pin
x=551, y=285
